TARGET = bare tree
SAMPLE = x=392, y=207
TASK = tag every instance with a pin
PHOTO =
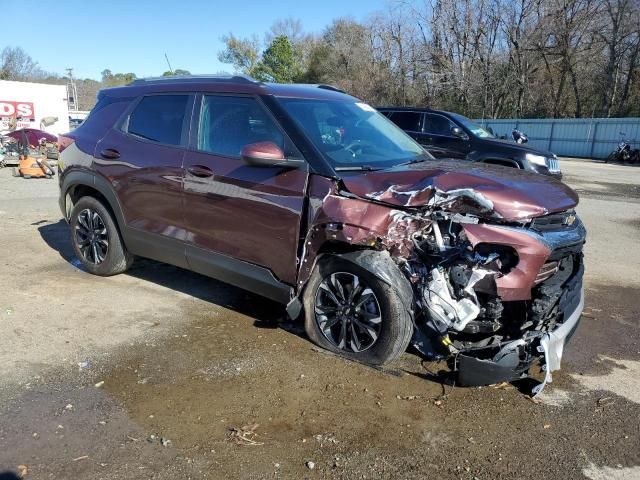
x=16, y=64
x=619, y=34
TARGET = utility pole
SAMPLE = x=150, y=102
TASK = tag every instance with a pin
x=72, y=91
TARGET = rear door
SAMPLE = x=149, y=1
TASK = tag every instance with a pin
x=442, y=143
x=245, y=213
x=142, y=159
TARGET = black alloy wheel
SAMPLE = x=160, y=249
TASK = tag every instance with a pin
x=91, y=236
x=347, y=312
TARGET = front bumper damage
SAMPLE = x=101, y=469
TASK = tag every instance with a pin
x=513, y=360
x=552, y=344
x=561, y=299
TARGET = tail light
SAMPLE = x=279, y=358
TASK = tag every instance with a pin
x=64, y=141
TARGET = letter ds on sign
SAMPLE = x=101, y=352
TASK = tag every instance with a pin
x=17, y=109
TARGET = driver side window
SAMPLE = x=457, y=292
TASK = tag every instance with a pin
x=438, y=125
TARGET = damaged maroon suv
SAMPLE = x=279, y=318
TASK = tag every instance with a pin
x=310, y=197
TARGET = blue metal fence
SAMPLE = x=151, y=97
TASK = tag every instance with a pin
x=573, y=137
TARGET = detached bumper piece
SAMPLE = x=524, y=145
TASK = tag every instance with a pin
x=486, y=366
x=511, y=361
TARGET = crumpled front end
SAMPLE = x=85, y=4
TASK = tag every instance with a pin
x=535, y=322
x=491, y=296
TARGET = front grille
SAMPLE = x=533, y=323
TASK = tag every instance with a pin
x=554, y=221
x=553, y=164
x=559, y=294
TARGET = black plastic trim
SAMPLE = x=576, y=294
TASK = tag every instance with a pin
x=84, y=178
x=236, y=272
x=154, y=246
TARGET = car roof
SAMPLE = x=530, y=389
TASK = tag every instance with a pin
x=226, y=84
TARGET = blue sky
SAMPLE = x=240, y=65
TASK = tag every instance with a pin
x=132, y=36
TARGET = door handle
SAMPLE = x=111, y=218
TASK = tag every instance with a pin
x=200, y=171
x=110, y=154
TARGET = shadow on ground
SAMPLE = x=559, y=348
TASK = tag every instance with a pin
x=267, y=314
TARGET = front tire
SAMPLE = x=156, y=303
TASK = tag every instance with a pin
x=96, y=239
x=351, y=312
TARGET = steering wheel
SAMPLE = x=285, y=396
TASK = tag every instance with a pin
x=357, y=146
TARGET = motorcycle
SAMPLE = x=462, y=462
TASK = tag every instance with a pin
x=519, y=137
x=623, y=153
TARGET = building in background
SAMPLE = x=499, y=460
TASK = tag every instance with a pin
x=33, y=105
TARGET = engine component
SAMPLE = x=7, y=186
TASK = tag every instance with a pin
x=444, y=311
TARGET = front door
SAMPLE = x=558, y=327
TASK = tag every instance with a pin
x=245, y=213
x=437, y=132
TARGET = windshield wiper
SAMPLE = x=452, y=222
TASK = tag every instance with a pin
x=356, y=168
x=416, y=160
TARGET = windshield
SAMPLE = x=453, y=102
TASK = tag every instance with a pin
x=473, y=127
x=352, y=134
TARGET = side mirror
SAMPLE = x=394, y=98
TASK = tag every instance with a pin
x=267, y=154
x=458, y=132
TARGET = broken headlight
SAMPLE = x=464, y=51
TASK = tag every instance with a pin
x=504, y=256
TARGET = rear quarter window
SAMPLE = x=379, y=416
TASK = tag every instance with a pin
x=159, y=118
x=103, y=116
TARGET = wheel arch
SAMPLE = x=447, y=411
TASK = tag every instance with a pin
x=377, y=262
x=80, y=184
x=374, y=267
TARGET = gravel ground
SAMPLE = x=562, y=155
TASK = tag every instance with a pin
x=161, y=373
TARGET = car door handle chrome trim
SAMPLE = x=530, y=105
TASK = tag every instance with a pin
x=200, y=171
x=110, y=153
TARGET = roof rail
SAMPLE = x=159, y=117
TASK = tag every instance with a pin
x=323, y=86
x=330, y=87
x=196, y=78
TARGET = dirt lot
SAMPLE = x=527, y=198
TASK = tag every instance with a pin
x=161, y=373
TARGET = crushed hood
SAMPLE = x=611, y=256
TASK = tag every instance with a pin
x=486, y=190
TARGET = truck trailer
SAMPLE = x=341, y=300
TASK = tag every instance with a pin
x=33, y=105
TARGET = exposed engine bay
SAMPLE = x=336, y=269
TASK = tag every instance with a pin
x=460, y=312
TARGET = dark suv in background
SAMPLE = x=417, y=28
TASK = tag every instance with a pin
x=312, y=198
x=449, y=135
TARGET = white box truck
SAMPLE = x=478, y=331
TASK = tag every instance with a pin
x=33, y=105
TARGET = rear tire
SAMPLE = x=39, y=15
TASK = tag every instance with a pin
x=96, y=239
x=393, y=330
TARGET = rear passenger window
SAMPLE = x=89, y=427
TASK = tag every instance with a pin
x=159, y=118
x=407, y=120
x=228, y=123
